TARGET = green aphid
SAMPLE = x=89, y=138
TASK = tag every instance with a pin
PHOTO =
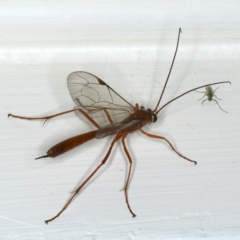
x=210, y=94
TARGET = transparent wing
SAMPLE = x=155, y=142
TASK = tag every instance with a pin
x=97, y=99
x=117, y=127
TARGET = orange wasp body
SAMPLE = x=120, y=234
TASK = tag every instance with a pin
x=100, y=105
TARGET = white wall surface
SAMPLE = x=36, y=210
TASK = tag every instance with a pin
x=130, y=45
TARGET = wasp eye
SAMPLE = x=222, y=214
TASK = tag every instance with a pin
x=142, y=107
x=154, y=116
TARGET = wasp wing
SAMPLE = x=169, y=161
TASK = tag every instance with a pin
x=117, y=127
x=97, y=99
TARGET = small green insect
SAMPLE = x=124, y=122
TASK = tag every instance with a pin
x=210, y=93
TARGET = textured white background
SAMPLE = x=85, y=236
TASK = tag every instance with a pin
x=130, y=45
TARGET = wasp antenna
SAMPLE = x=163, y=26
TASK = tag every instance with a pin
x=170, y=70
x=45, y=156
x=194, y=89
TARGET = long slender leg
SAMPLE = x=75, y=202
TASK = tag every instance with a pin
x=219, y=105
x=108, y=116
x=200, y=92
x=41, y=118
x=90, y=176
x=129, y=175
x=216, y=97
x=215, y=90
x=88, y=117
x=163, y=138
x=204, y=101
x=202, y=97
x=46, y=118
